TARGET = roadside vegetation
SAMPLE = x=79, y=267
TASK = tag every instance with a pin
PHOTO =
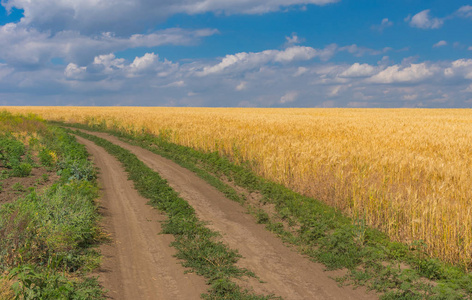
x=395, y=270
x=48, y=231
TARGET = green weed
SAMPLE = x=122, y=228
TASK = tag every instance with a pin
x=18, y=187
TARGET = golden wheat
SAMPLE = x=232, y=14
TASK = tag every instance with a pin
x=407, y=172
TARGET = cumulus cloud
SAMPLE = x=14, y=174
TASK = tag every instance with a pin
x=109, y=66
x=20, y=45
x=461, y=68
x=120, y=16
x=398, y=74
x=109, y=63
x=289, y=97
x=244, y=60
x=73, y=71
x=384, y=24
x=242, y=86
x=359, y=70
x=361, y=51
x=252, y=60
x=440, y=44
x=424, y=21
x=465, y=11
x=293, y=40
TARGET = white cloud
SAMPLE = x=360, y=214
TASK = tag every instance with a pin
x=179, y=83
x=293, y=40
x=424, y=21
x=440, y=44
x=295, y=53
x=359, y=70
x=142, y=64
x=397, y=74
x=120, y=16
x=461, y=68
x=361, y=51
x=108, y=66
x=465, y=11
x=289, y=97
x=300, y=71
x=242, y=86
x=251, y=60
x=109, y=62
x=384, y=24
x=20, y=45
x=73, y=71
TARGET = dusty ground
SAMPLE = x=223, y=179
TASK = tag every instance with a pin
x=283, y=271
x=138, y=263
x=9, y=193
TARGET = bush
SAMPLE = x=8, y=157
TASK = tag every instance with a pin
x=34, y=283
x=11, y=151
x=45, y=158
x=22, y=170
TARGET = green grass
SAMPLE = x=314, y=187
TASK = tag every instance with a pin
x=395, y=270
x=48, y=239
x=197, y=246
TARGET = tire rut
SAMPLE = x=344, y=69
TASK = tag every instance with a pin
x=283, y=271
x=138, y=263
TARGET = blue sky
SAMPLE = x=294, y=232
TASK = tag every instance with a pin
x=256, y=53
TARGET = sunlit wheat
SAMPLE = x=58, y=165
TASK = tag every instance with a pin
x=407, y=172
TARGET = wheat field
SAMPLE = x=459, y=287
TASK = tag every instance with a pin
x=407, y=172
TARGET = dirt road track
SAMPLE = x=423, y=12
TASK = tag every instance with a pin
x=283, y=271
x=138, y=264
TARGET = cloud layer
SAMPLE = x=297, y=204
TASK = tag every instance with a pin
x=267, y=78
x=67, y=52
x=125, y=17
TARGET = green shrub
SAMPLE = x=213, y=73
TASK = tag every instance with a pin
x=45, y=158
x=22, y=170
x=18, y=187
x=34, y=283
x=11, y=151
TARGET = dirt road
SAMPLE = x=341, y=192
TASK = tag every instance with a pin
x=283, y=271
x=138, y=263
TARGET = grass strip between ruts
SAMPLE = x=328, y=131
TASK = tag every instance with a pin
x=197, y=245
x=396, y=270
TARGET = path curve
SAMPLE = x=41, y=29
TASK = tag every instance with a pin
x=284, y=272
x=138, y=263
